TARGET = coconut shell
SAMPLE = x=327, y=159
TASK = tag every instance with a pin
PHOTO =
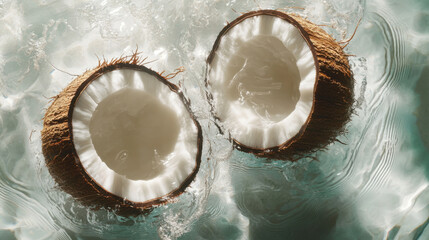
x=63, y=162
x=332, y=97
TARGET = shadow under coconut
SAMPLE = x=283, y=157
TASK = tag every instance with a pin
x=288, y=202
x=422, y=112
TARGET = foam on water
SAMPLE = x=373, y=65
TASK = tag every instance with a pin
x=374, y=186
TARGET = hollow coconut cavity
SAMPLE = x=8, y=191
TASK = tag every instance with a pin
x=279, y=84
x=122, y=137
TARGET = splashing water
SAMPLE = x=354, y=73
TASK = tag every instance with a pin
x=375, y=186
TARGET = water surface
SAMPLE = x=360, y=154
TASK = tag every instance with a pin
x=374, y=186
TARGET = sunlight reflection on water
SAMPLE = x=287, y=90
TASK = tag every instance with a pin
x=373, y=187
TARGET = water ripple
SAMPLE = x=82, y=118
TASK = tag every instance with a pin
x=371, y=187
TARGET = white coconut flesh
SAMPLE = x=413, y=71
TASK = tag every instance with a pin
x=262, y=79
x=134, y=136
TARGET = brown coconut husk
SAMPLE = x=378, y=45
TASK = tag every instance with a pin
x=63, y=162
x=332, y=97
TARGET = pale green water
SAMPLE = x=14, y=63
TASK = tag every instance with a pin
x=374, y=187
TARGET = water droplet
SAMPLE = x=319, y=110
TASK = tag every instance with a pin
x=122, y=156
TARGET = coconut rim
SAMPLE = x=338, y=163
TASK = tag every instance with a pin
x=307, y=39
x=103, y=192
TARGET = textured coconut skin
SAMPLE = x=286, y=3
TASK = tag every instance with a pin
x=332, y=97
x=64, y=164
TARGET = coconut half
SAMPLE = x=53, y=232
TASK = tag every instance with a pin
x=279, y=84
x=121, y=136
